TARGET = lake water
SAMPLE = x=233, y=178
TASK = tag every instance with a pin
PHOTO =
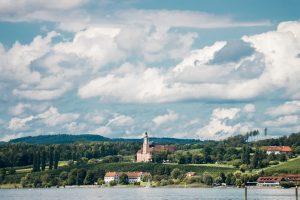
x=145, y=193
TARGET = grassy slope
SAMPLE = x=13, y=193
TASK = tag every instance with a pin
x=150, y=167
x=26, y=169
x=291, y=166
x=214, y=169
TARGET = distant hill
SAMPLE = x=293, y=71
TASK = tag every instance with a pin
x=59, y=139
x=64, y=138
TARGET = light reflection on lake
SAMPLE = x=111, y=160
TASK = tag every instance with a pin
x=145, y=193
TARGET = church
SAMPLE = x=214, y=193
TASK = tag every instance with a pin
x=145, y=153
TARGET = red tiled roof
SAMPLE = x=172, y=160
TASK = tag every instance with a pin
x=277, y=148
x=159, y=148
x=269, y=179
x=137, y=174
x=111, y=174
x=292, y=177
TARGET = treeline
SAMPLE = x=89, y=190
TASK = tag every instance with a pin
x=20, y=154
x=77, y=176
x=161, y=175
x=41, y=156
x=292, y=140
x=84, y=173
x=204, y=154
x=245, y=157
x=177, y=176
x=67, y=139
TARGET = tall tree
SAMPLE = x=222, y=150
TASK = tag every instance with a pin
x=265, y=131
x=89, y=178
x=2, y=174
x=38, y=161
x=72, y=176
x=123, y=179
x=207, y=178
x=34, y=162
x=56, y=159
x=50, y=158
x=257, y=159
x=43, y=160
x=206, y=153
x=81, y=173
x=245, y=156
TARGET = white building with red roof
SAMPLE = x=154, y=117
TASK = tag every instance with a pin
x=133, y=177
x=277, y=149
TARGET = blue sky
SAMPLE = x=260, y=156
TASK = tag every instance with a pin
x=196, y=69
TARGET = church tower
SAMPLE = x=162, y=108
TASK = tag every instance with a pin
x=144, y=154
x=146, y=143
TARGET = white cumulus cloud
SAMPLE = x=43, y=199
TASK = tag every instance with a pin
x=165, y=118
x=290, y=107
x=52, y=117
x=258, y=74
x=221, y=124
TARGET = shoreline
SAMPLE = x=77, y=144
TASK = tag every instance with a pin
x=18, y=186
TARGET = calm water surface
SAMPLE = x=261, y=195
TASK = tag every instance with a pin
x=145, y=193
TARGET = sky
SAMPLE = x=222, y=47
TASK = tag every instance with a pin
x=205, y=69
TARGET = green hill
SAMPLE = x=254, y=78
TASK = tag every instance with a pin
x=65, y=138
x=59, y=139
x=292, y=166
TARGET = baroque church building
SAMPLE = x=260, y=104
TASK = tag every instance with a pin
x=145, y=153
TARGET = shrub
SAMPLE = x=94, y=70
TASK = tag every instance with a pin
x=112, y=183
x=100, y=181
x=287, y=184
x=164, y=182
x=136, y=183
x=207, y=179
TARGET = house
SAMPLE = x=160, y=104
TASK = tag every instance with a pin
x=293, y=178
x=145, y=153
x=275, y=180
x=189, y=174
x=111, y=176
x=133, y=177
x=269, y=180
x=277, y=149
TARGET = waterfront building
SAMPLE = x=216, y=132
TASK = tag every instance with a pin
x=269, y=180
x=133, y=177
x=111, y=176
x=293, y=178
x=275, y=180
